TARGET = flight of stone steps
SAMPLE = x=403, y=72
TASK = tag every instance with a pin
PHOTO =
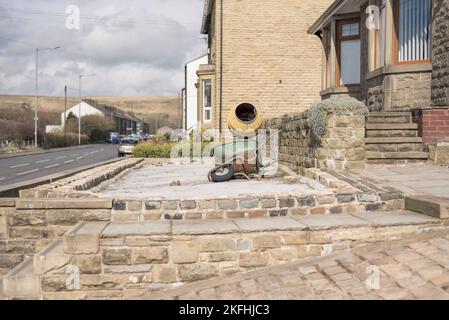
x=392, y=137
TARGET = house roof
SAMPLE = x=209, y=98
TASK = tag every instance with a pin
x=114, y=111
x=208, y=4
x=337, y=7
x=193, y=60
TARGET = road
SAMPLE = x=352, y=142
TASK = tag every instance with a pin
x=28, y=167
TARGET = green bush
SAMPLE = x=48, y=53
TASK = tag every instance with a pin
x=150, y=150
x=56, y=140
x=160, y=150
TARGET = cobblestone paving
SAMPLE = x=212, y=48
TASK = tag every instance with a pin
x=414, y=268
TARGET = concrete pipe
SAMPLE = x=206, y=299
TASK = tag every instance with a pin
x=244, y=120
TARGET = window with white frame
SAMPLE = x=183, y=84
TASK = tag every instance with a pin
x=207, y=100
x=413, y=19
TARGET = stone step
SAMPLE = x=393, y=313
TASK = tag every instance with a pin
x=429, y=205
x=396, y=140
x=390, y=114
x=392, y=126
x=50, y=258
x=41, y=204
x=392, y=147
x=21, y=282
x=397, y=155
x=84, y=238
x=392, y=120
x=241, y=226
x=393, y=133
x=393, y=161
x=389, y=117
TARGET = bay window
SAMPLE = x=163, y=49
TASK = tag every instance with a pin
x=348, y=46
x=413, y=19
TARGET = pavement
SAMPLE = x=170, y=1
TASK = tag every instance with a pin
x=407, y=269
x=33, y=166
x=413, y=179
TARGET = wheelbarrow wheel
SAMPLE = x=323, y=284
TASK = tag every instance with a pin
x=222, y=174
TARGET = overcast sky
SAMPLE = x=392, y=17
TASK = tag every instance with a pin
x=134, y=47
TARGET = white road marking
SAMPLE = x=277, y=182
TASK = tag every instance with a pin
x=75, y=154
x=27, y=172
x=59, y=158
x=52, y=166
x=20, y=165
x=69, y=161
x=42, y=161
x=79, y=158
x=1, y=179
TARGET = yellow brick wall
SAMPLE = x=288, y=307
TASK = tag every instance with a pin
x=269, y=60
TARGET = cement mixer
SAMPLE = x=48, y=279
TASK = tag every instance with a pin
x=240, y=157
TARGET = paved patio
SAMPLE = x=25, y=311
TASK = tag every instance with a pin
x=155, y=182
x=413, y=179
x=414, y=268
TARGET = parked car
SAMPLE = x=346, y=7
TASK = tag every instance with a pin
x=113, y=137
x=126, y=146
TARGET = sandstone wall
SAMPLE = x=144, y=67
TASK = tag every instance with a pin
x=27, y=227
x=440, y=59
x=341, y=147
x=269, y=59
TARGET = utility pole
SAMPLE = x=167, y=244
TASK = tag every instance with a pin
x=36, y=99
x=36, y=96
x=65, y=116
x=79, y=106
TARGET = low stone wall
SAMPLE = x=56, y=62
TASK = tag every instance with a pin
x=68, y=187
x=255, y=207
x=128, y=260
x=329, y=136
x=26, y=226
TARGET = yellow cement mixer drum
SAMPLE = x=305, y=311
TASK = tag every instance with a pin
x=244, y=120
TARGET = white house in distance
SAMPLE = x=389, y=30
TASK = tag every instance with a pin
x=125, y=123
x=86, y=110
x=190, y=94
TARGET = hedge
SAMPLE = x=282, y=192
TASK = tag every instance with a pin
x=163, y=151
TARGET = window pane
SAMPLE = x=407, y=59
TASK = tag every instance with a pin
x=207, y=99
x=414, y=29
x=350, y=29
x=350, y=62
x=207, y=94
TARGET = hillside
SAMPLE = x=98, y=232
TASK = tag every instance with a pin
x=143, y=107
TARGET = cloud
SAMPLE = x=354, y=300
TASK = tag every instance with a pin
x=134, y=48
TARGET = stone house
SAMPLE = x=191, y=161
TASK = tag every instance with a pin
x=392, y=55
x=259, y=53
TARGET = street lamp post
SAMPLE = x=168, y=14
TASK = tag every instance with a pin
x=36, y=98
x=81, y=76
